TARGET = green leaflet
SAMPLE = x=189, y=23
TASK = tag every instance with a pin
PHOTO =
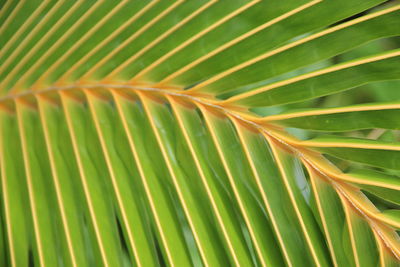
x=163, y=33
x=16, y=220
x=366, y=116
x=362, y=239
x=102, y=42
x=22, y=30
x=229, y=27
x=39, y=190
x=297, y=188
x=275, y=198
x=66, y=196
x=31, y=38
x=137, y=232
x=326, y=81
x=332, y=218
x=270, y=62
x=239, y=174
x=169, y=230
x=160, y=120
x=93, y=180
x=371, y=152
x=85, y=22
x=214, y=180
x=22, y=66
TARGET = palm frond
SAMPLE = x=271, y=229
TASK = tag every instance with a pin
x=180, y=133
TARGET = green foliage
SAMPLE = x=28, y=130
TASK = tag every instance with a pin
x=200, y=133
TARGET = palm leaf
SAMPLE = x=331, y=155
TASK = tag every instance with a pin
x=206, y=133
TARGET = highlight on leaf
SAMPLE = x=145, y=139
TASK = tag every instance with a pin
x=200, y=133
